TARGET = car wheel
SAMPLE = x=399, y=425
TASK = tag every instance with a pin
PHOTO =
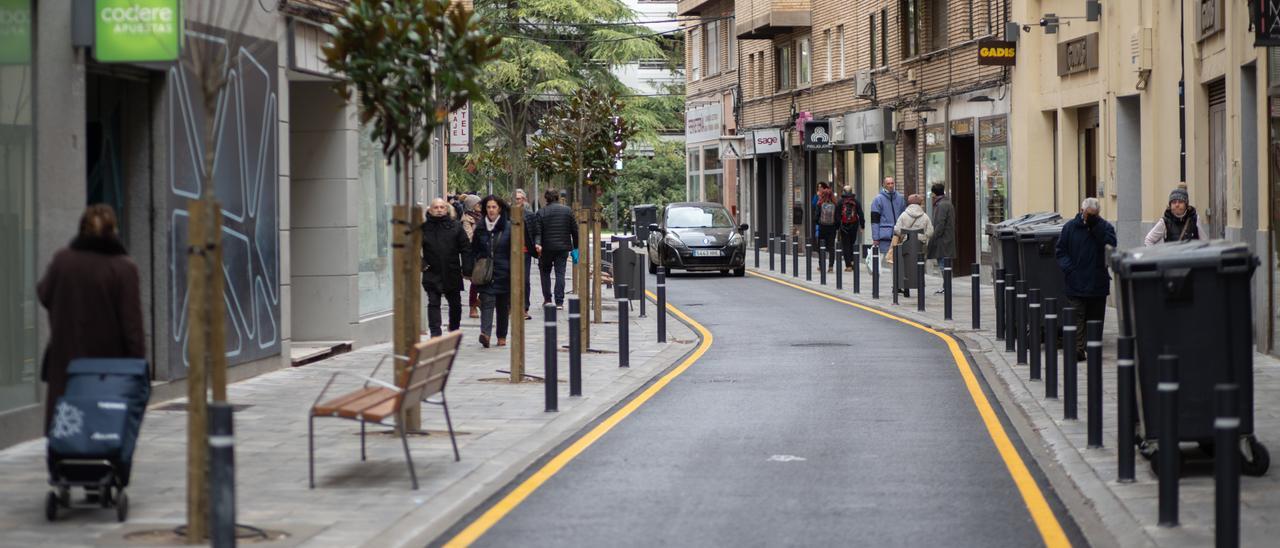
x=724, y=272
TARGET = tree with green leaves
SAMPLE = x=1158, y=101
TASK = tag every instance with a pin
x=647, y=179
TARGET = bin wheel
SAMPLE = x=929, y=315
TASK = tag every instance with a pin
x=740, y=272
x=1254, y=457
x=104, y=496
x=64, y=496
x=1154, y=457
x=51, y=507
x=122, y=507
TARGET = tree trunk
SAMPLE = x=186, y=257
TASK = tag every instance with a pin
x=596, y=274
x=406, y=241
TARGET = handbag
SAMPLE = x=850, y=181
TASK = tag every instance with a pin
x=482, y=272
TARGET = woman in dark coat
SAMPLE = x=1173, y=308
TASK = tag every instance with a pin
x=91, y=290
x=444, y=243
x=493, y=240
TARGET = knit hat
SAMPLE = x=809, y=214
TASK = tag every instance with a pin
x=470, y=202
x=1179, y=193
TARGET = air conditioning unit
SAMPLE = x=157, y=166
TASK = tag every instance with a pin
x=1140, y=49
x=863, y=86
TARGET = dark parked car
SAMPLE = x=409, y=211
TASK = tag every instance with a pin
x=697, y=236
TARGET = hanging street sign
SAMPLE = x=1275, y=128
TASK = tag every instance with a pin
x=817, y=135
x=136, y=31
x=460, y=130
x=729, y=150
x=1266, y=23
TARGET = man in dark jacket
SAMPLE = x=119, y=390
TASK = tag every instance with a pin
x=557, y=235
x=1082, y=256
x=444, y=244
x=943, y=243
x=851, y=223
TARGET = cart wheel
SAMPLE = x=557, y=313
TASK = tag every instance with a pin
x=51, y=507
x=1254, y=457
x=122, y=506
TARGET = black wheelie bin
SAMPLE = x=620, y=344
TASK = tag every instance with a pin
x=642, y=216
x=1003, y=240
x=1037, y=258
x=1192, y=300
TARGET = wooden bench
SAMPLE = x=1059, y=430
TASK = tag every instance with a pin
x=376, y=401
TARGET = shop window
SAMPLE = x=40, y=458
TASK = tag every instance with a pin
x=18, y=308
x=993, y=167
x=377, y=192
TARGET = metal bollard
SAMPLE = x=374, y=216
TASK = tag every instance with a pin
x=1010, y=298
x=1051, y=348
x=946, y=288
x=998, y=284
x=795, y=257
x=897, y=280
x=839, y=273
x=1093, y=380
x=1226, y=467
x=624, y=330
x=822, y=265
x=1069, y=363
x=1033, y=332
x=772, y=248
x=1125, y=378
x=550, y=351
x=977, y=295
x=1020, y=321
x=1169, y=456
x=222, y=476
x=920, y=284
x=875, y=271
x=575, y=342
x=784, y=242
x=757, y=250
x=808, y=261
x=662, y=304
x=857, y=268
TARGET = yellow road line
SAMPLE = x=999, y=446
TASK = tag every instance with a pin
x=1050, y=530
x=513, y=499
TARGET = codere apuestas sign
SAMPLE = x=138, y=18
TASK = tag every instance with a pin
x=136, y=31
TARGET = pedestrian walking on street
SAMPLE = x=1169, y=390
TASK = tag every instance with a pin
x=815, y=207
x=914, y=218
x=885, y=210
x=557, y=236
x=93, y=294
x=493, y=242
x=1179, y=222
x=444, y=251
x=470, y=218
x=851, y=224
x=828, y=225
x=942, y=245
x=1082, y=256
x=530, y=228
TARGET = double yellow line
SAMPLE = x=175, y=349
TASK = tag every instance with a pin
x=1047, y=523
x=513, y=499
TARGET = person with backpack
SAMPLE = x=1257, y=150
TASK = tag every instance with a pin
x=813, y=204
x=851, y=224
x=828, y=225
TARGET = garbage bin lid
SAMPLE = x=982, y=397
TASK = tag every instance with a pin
x=1041, y=231
x=1221, y=255
x=1025, y=218
x=623, y=238
x=108, y=366
x=641, y=207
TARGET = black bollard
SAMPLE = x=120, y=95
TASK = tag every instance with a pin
x=998, y=284
x=222, y=476
x=1069, y=363
x=822, y=265
x=839, y=273
x=784, y=242
x=575, y=341
x=772, y=248
x=1033, y=332
x=1125, y=378
x=795, y=257
x=550, y=350
x=946, y=288
x=1051, y=348
x=1226, y=468
x=757, y=250
x=662, y=304
x=808, y=261
x=1020, y=321
x=920, y=284
x=897, y=280
x=1169, y=455
x=1010, y=298
x=857, y=268
x=624, y=330
x=875, y=271
x=1093, y=380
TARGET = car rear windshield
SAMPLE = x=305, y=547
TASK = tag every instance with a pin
x=698, y=217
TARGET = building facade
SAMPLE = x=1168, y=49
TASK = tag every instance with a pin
x=712, y=94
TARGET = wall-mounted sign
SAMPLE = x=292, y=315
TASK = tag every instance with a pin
x=867, y=126
x=730, y=149
x=136, y=31
x=15, y=32
x=1266, y=23
x=460, y=130
x=962, y=127
x=1078, y=55
x=703, y=123
x=997, y=53
x=767, y=141
x=1209, y=18
x=817, y=135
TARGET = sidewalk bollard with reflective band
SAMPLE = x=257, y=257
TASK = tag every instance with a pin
x=1125, y=403
x=897, y=280
x=1051, y=348
x=998, y=285
x=875, y=271
x=1069, y=363
x=808, y=261
x=839, y=273
x=757, y=250
x=1020, y=321
x=550, y=351
x=662, y=305
x=795, y=257
x=222, y=476
x=1033, y=333
x=857, y=269
x=1093, y=380
x=1010, y=298
x=772, y=248
x=575, y=343
x=822, y=265
x=1226, y=467
x=920, y=284
x=977, y=296
x=784, y=242
x=1169, y=455
x=946, y=289
x=624, y=329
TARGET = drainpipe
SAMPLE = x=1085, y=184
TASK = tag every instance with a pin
x=1182, y=93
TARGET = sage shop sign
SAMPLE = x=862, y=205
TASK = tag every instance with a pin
x=1078, y=55
x=136, y=31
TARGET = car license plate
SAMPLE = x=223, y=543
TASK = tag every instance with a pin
x=706, y=253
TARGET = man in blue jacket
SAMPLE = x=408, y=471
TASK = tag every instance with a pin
x=885, y=209
x=1082, y=255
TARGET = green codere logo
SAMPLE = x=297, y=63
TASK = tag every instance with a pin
x=136, y=30
x=15, y=32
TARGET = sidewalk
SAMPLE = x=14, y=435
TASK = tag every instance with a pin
x=502, y=429
x=1109, y=513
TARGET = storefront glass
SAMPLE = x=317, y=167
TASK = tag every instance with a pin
x=935, y=169
x=993, y=164
x=18, y=309
x=376, y=196
x=712, y=175
x=694, y=190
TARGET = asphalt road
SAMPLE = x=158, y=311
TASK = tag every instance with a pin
x=808, y=422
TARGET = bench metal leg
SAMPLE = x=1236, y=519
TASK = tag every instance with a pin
x=445, y=403
x=311, y=451
x=413, y=475
x=362, y=457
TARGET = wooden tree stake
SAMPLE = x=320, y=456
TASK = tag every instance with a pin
x=517, y=293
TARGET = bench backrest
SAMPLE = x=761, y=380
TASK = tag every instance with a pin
x=430, y=364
